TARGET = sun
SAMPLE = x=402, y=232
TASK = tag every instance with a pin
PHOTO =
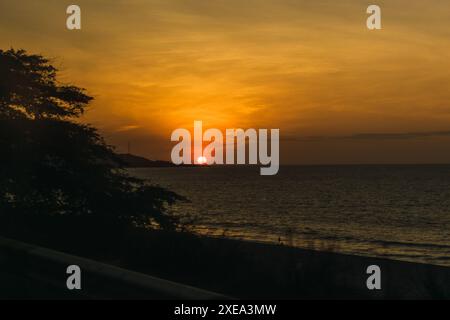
x=202, y=160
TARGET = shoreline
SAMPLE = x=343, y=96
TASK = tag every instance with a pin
x=249, y=270
x=321, y=245
x=333, y=275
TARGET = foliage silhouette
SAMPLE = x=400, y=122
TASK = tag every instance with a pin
x=53, y=166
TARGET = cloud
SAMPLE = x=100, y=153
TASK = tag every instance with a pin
x=298, y=65
x=372, y=136
x=128, y=128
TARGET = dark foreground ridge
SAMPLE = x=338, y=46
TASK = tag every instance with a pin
x=29, y=271
x=244, y=270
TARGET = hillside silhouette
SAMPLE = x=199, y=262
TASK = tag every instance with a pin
x=133, y=161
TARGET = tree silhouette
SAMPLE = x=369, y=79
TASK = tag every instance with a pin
x=53, y=166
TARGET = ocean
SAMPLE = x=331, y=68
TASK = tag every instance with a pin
x=398, y=212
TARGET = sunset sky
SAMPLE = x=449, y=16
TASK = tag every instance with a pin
x=338, y=92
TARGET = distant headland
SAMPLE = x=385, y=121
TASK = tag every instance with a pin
x=133, y=161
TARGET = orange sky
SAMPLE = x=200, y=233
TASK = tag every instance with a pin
x=338, y=92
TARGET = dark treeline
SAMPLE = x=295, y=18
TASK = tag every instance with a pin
x=53, y=167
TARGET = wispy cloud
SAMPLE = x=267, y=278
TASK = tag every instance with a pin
x=372, y=136
x=127, y=128
x=301, y=66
